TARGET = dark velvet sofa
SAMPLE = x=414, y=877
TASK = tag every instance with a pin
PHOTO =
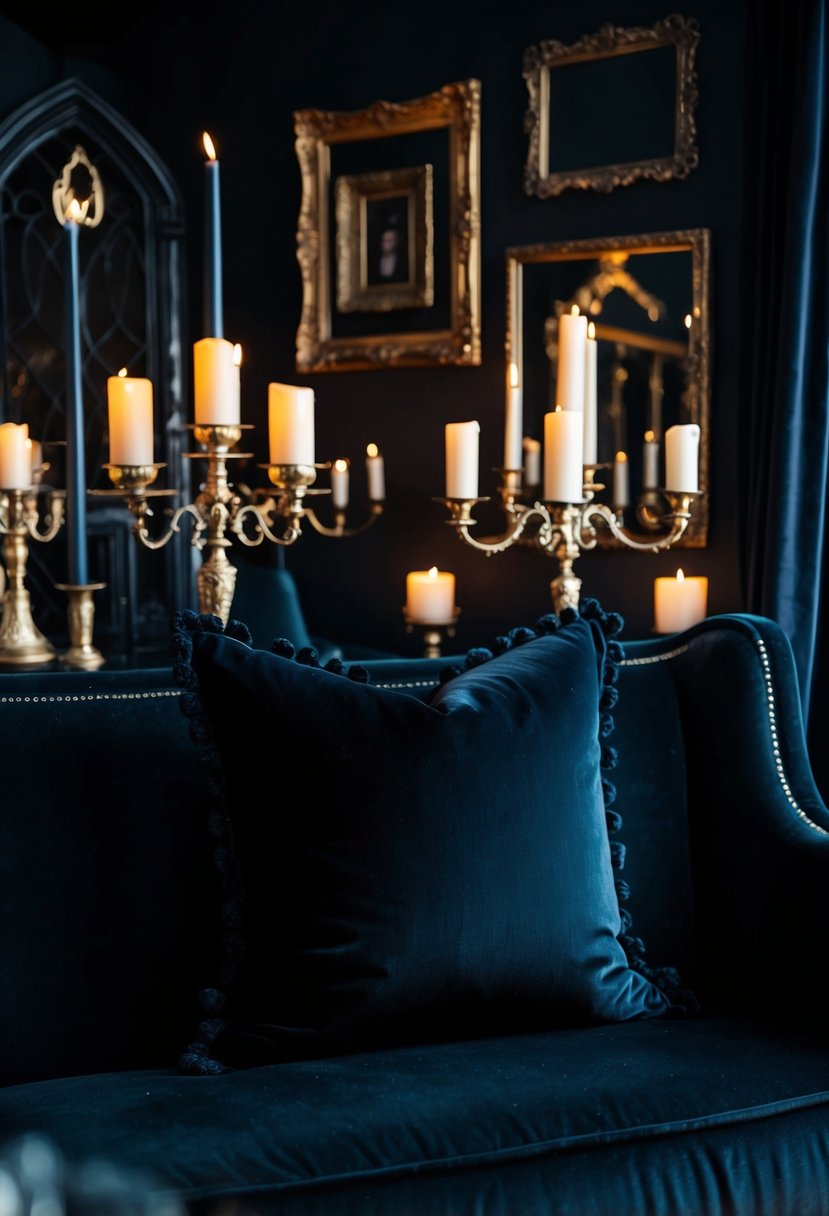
x=106, y=936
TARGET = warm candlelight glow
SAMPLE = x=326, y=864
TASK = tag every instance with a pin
x=687, y=320
x=209, y=146
x=513, y=375
x=574, y=311
x=74, y=211
x=433, y=572
x=122, y=372
x=649, y=436
x=680, y=577
x=237, y=354
x=621, y=457
x=591, y=330
x=372, y=450
x=341, y=466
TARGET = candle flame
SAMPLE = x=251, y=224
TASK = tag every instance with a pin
x=74, y=211
x=341, y=466
x=372, y=450
x=513, y=375
x=649, y=437
x=574, y=311
x=433, y=573
x=557, y=409
x=621, y=457
x=653, y=313
x=680, y=577
x=237, y=354
x=122, y=372
x=687, y=320
x=591, y=330
x=209, y=146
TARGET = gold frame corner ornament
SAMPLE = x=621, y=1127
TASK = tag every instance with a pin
x=455, y=107
x=609, y=42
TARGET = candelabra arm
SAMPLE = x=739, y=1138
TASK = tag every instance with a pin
x=676, y=519
x=141, y=510
x=52, y=520
x=462, y=521
x=262, y=527
x=339, y=528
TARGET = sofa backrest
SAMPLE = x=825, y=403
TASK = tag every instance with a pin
x=105, y=867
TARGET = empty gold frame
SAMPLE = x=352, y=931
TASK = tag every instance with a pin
x=338, y=331
x=611, y=108
x=649, y=299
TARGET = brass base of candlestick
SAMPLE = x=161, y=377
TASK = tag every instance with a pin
x=434, y=635
x=81, y=617
x=21, y=642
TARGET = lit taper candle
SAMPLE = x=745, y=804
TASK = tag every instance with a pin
x=339, y=484
x=77, y=559
x=375, y=473
x=591, y=371
x=213, y=305
x=514, y=423
x=571, y=360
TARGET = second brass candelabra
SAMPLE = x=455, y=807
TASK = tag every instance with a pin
x=219, y=513
x=564, y=530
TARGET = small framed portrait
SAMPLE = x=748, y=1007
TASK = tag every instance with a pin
x=385, y=240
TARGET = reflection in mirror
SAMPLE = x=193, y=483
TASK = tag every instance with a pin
x=646, y=298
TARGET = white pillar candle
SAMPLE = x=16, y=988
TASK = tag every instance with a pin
x=15, y=457
x=462, y=449
x=514, y=420
x=36, y=453
x=215, y=383
x=291, y=424
x=430, y=596
x=621, y=480
x=679, y=602
x=650, y=461
x=375, y=474
x=339, y=484
x=572, y=336
x=532, y=462
x=591, y=405
x=563, y=451
x=682, y=458
x=130, y=407
x=237, y=363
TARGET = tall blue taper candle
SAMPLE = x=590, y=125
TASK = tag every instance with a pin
x=213, y=304
x=78, y=570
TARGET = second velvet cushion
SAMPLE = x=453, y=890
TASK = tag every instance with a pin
x=400, y=870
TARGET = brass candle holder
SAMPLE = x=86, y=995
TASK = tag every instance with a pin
x=564, y=530
x=434, y=634
x=21, y=642
x=81, y=619
x=218, y=513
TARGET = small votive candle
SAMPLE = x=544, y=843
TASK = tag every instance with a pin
x=430, y=597
x=679, y=603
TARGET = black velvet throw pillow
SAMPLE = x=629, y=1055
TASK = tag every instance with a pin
x=400, y=870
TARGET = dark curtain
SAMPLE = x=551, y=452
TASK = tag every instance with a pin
x=784, y=434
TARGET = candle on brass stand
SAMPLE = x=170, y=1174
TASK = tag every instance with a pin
x=430, y=606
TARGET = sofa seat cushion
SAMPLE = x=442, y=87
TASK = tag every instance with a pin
x=383, y=1117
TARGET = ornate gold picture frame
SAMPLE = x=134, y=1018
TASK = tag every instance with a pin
x=332, y=275
x=385, y=240
x=632, y=51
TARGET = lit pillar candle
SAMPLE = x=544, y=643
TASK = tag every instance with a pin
x=130, y=406
x=514, y=420
x=679, y=602
x=215, y=383
x=15, y=457
x=572, y=336
x=462, y=450
x=682, y=458
x=591, y=372
x=650, y=461
x=532, y=461
x=430, y=596
x=563, y=451
x=621, y=480
x=375, y=473
x=339, y=484
x=76, y=550
x=213, y=305
x=291, y=424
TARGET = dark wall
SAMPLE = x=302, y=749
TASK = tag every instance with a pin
x=240, y=73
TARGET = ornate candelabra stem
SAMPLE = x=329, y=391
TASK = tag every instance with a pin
x=21, y=642
x=216, y=504
x=566, y=586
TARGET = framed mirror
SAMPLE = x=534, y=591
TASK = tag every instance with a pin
x=648, y=298
x=611, y=108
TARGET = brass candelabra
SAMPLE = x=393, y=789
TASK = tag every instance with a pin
x=21, y=642
x=219, y=513
x=564, y=530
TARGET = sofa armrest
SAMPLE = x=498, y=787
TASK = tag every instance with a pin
x=759, y=830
